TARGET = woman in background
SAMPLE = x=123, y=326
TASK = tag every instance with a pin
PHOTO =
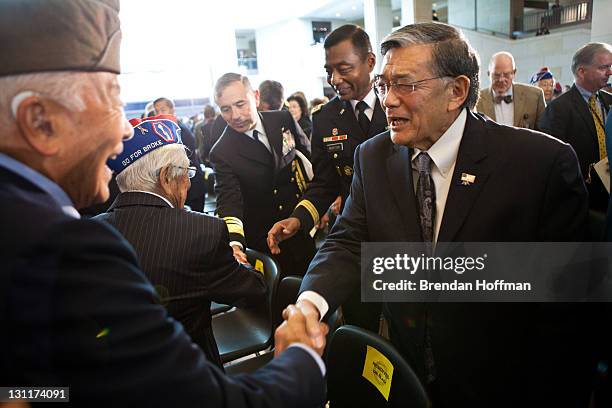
x=299, y=111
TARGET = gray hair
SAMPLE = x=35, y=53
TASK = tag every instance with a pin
x=452, y=53
x=586, y=54
x=227, y=79
x=66, y=88
x=143, y=174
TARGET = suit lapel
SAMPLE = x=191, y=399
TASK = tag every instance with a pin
x=471, y=160
x=249, y=148
x=399, y=171
x=583, y=110
x=274, y=133
x=487, y=104
x=345, y=119
x=379, y=120
x=519, y=105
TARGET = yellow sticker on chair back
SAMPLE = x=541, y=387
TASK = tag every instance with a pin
x=378, y=370
x=259, y=266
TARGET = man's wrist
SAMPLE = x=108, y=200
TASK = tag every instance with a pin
x=312, y=302
x=236, y=243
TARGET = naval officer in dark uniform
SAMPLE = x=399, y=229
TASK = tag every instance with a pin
x=262, y=165
x=352, y=117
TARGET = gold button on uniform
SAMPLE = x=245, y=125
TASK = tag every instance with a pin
x=335, y=155
x=292, y=179
x=275, y=191
x=280, y=207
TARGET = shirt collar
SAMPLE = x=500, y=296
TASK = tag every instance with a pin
x=370, y=99
x=444, y=151
x=42, y=182
x=585, y=94
x=259, y=127
x=156, y=195
x=507, y=93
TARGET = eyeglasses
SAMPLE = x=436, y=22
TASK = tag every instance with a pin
x=401, y=85
x=191, y=171
x=498, y=75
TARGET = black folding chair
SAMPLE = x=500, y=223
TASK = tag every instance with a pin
x=365, y=370
x=247, y=330
x=286, y=294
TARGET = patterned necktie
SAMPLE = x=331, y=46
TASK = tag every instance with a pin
x=362, y=118
x=426, y=196
x=599, y=126
x=426, y=202
x=256, y=135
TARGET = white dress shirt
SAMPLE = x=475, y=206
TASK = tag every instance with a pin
x=370, y=100
x=262, y=134
x=156, y=195
x=444, y=156
x=504, y=112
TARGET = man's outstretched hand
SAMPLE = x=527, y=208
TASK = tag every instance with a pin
x=240, y=255
x=302, y=325
x=282, y=230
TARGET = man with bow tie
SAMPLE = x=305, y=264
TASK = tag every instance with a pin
x=507, y=102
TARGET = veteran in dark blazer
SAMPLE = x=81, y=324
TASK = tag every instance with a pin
x=445, y=174
x=578, y=116
x=262, y=167
x=185, y=254
x=76, y=309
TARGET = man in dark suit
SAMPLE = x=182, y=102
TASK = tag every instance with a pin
x=76, y=309
x=193, y=263
x=445, y=174
x=352, y=117
x=261, y=167
x=578, y=116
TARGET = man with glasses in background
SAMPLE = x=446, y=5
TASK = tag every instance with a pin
x=507, y=102
x=445, y=174
x=185, y=254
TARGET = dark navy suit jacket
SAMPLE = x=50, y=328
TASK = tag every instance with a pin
x=528, y=187
x=76, y=310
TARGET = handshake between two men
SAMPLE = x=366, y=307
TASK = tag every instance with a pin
x=302, y=325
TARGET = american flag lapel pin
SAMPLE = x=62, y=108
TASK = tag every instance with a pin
x=467, y=179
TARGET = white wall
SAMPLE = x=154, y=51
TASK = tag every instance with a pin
x=286, y=53
x=531, y=54
x=601, y=26
x=461, y=13
x=494, y=16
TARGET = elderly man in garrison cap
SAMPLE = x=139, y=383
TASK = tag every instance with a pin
x=77, y=311
x=194, y=263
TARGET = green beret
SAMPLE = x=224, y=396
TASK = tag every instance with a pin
x=59, y=35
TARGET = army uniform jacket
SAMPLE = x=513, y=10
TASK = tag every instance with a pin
x=256, y=187
x=335, y=135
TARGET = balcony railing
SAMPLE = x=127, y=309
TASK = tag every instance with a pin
x=555, y=17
